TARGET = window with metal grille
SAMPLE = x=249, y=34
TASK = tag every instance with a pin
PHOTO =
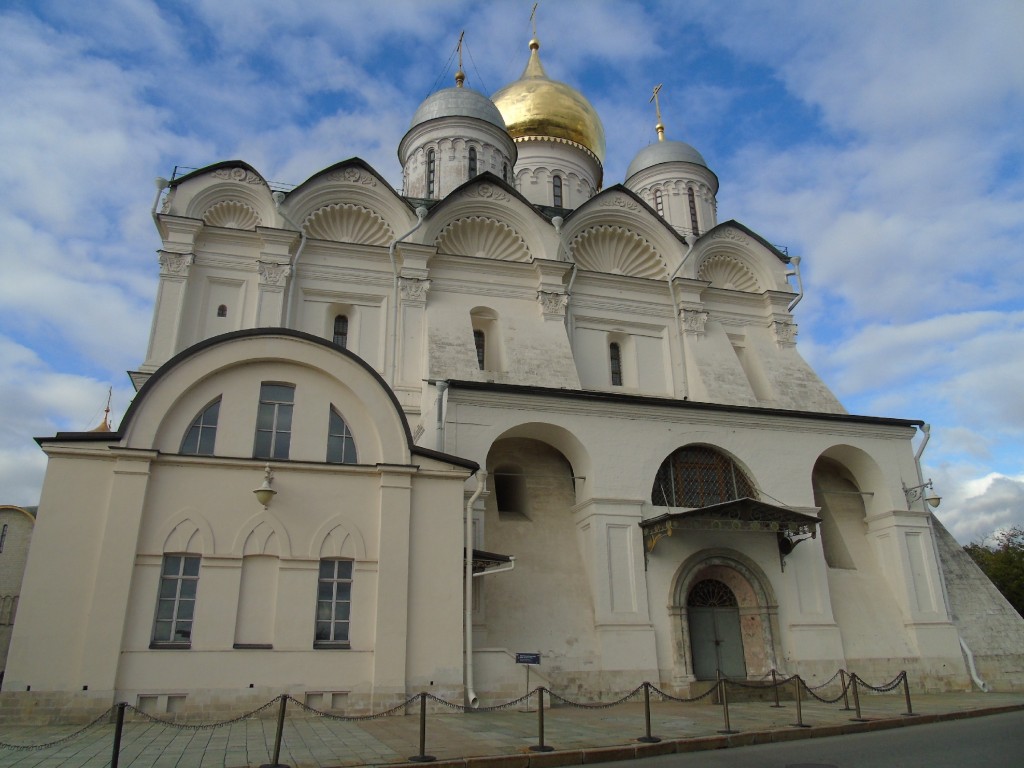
x=472, y=162
x=274, y=421
x=480, y=342
x=693, y=212
x=333, y=604
x=222, y=310
x=711, y=593
x=699, y=476
x=176, y=602
x=431, y=172
x=341, y=331
x=615, y=361
x=202, y=432
x=556, y=191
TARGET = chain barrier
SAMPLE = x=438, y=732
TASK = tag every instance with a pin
x=884, y=687
x=200, y=726
x=62, y=739
x=683, y=700
x=604, y=705
x=887, y=687
x=352, y=718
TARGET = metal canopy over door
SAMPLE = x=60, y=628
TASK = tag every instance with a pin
x=715, y=638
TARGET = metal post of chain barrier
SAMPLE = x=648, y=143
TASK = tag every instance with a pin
x=118, y=729
x=423, y=757
x=724, y=695
x=540, y=746
x=856, y=700
x=846, y=697
x=775, y=690
x=906, y=695
x=647, y=738
x=799, y=704
x=275, y=761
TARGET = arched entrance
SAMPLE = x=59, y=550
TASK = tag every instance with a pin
x=725, y=616
x=715, y=637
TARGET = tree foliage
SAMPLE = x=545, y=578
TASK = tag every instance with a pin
x=1001, y=557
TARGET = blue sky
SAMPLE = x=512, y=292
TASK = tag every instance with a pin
x=880, y=141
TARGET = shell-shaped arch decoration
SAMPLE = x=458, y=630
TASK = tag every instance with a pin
x=232, y=214
x=482, y=237
x=617, y=251
x=348, y=223
x=725, y=271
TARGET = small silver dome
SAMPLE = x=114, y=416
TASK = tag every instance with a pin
x=664, y=152
x=458, y=102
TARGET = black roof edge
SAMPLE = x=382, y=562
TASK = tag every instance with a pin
x=627, y=191
x=487, y=177
x=451, y=458
x=217, y=166
x=748, y=231
x=664, y=402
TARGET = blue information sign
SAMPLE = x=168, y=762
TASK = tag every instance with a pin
x=527, y=658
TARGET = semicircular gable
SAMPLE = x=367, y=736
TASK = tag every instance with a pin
x=232, y=214
x=348, y=223
x=726, y=270
x=484, y=237
x=616, y=250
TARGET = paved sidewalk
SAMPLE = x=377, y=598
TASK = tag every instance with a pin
x=499, y=739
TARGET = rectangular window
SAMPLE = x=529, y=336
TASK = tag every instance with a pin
x=333, y=604
x=615, y=362
x=274, y=421
x=176, y=601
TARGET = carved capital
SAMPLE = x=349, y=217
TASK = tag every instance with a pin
x=553, y=304
x=414, y=289
x=175, y=264
x=693, y=321
x=272, y=273
x=785, y=333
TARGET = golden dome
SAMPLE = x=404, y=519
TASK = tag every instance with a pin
x=539, y=107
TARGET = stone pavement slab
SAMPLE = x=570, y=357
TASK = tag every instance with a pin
x=495, y=739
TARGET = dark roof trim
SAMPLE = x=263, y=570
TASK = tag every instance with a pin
x=248, y=333
x=218, y=166
x=356, y=162
x=488, y=178
x=747, y=231
x=627, y=191
x=664, y=402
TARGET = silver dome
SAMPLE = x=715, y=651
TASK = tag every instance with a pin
x=458, y=102
x=664, y=152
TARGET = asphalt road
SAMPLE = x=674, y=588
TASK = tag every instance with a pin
x=995, y=741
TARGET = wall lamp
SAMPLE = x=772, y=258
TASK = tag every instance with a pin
x=924, y=491
x=265, y=494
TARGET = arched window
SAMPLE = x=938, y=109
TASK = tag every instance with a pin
x=274, y=421
x=222, y=310
x=341, y=331
x=341, y=447
x=693, y=212
x=3, y=537
x=472, y=162
x=615, y=361
x=556, y=191
x=504, y=172
x=431, y=172
x=699, y=476
x=659, y=203
x=480, y=342
x=202, y=433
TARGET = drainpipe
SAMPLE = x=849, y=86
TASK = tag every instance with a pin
x=421, y=215
x=557, y=222
x=290, y=296
x=442, y=387
x=926, y=430
x=691, y=240
x=795, y=272
x=472, y=699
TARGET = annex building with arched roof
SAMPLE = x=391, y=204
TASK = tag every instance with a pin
x=385, y=439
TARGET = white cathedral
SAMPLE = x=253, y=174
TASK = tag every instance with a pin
x=383, y=441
